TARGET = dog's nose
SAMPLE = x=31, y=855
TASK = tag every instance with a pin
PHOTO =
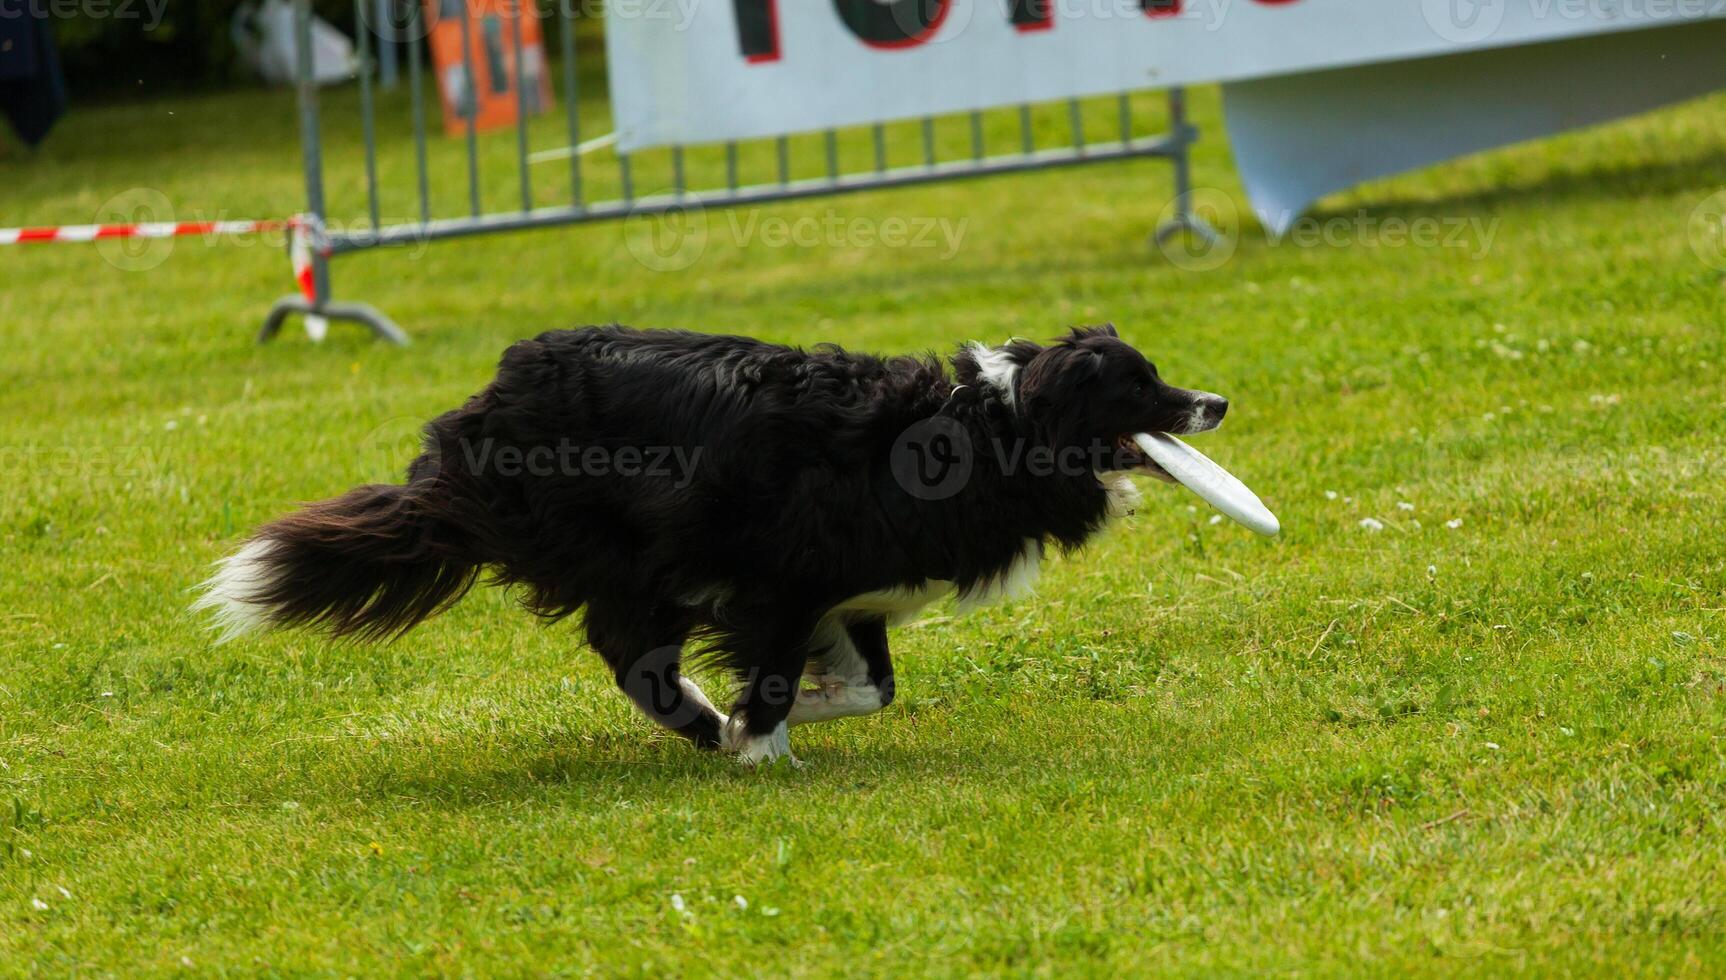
x=1208, y=411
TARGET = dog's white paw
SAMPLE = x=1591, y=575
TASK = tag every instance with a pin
x=827, y=688
x=835, y=697
x=756, y=750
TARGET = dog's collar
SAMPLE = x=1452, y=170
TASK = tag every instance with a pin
x=953, y=399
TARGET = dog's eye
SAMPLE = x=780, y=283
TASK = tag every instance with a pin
x=1139, y=390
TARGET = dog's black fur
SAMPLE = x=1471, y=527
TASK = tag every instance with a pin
x=791, y=506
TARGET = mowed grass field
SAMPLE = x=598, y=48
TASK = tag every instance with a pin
x=1485, y=737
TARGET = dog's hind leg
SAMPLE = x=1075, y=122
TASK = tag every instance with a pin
x=644, y=646
x=853, y=676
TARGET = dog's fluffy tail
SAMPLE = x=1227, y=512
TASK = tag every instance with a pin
x=370, y=563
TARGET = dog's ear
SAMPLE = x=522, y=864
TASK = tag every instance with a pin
x=1077, y=334
x=1052, y=390
x=1022, y=351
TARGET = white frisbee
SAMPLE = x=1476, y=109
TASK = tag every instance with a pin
x=1198, y=473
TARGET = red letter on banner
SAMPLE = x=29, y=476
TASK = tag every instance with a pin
x=1032, y=15
x=893, y=23
x=758, y=29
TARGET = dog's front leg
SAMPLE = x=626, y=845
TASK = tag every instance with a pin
x=757, y=729
x=854, y=676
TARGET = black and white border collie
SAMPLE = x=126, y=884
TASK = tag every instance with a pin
x=775, y=508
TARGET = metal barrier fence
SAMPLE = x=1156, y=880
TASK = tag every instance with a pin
x=929, y=168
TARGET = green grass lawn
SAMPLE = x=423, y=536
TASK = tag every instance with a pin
x=1485, y=738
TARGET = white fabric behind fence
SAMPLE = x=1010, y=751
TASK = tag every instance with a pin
x=680, y=74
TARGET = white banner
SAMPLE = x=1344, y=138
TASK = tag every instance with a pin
x=698, y=71
x=1298, y=138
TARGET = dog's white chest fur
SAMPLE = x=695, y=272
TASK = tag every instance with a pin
x=898, y=605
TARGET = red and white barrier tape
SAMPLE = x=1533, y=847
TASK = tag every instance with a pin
x=151, y=229
x=303, y=236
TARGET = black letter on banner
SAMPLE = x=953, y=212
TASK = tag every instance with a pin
x=1160, y=8
x=758, y=29
x=892, y=23
x=1031, y=15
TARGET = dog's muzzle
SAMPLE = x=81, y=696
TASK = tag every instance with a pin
x=1207, y=414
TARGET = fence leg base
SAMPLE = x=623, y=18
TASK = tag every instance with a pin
x=364, y=314
x=1191, y=224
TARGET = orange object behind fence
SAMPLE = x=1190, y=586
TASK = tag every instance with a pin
x=490, y=96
